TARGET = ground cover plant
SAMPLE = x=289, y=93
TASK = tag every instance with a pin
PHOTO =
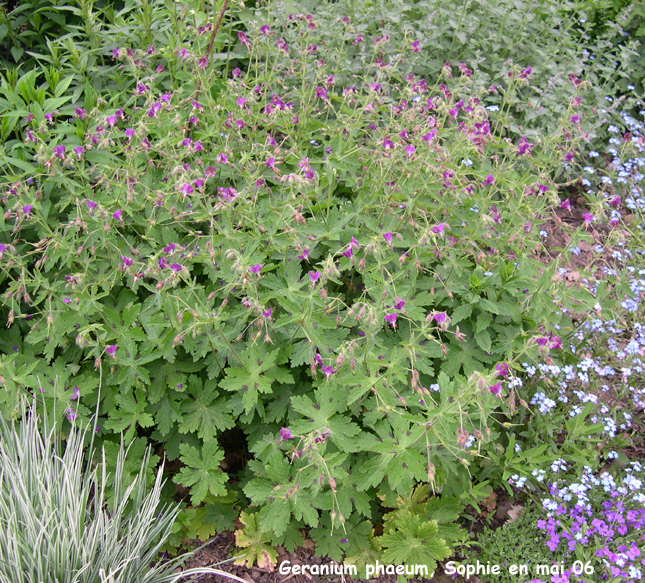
x=311, y=272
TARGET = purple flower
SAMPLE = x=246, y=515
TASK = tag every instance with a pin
x=440, y=317
x=169, y=248
x=399, y=303
x=162, y=263
x=388, y=237
x=71, y=415
x=129, y=133
x=321, y=93
x=80, y=113
x=126, y=261
x=415, y=46
x=314, y=276
x=438, y=229
x=111, y=350
x=111, y=120
x=267, y=313
x=490, y=179
x=566, y=204
x=118, y=215
x=187, y=189
x=496, y=389
x=588, y=217
x=255, y=268
x=502, y=369
x=285, y=433
x=575, y=118
x=391, y=318
x=328, y=370
x=176, y=267
x=66, y=300
x=79, y=151
x=27, y=209
x=429, y=136
x=75, y=393
x=59, y=151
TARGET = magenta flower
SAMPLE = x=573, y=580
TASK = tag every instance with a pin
x=79, y=151
x=176, y=267
x=490, y=179
x=244, y=39
x=27, y=209
x=91, y=205
x=202, y=62
x=126, y=261
x=270, y=163
x=566, y=204
x=80, y=113
x=502, y=369
x=241, y=102
x=129, y=133
x=169, y=248
x=399, y=303
x=429, y=136
x=66, y=300
x=162, y=263
x=321, y=93
x=588, y=217
x=348, y=253
x=222, y=158
x=267, y=313
x=354, y=243
x=615, y=200
x=75, y=393
x=111, y=120
x=415, y=46
x=328, y=370
x=255, y=268
x=71, y=415
x=314, y=276
x=285, y=433
x=118, y=215
x=575, y=118
x=187, y=189
x=438, y=229
x=59, y=151
x=388, y=236
x=410, y=150
x=111, y=350
x=496, y=389
x=391, y=318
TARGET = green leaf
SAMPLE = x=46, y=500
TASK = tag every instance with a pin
x=461, y=313
x=202, y=472
x=253, y=539
x=205, y=414
x=130, y=412
x=415, y=542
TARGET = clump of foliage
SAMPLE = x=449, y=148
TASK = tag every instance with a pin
x=341, y=264
x=57, y=521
